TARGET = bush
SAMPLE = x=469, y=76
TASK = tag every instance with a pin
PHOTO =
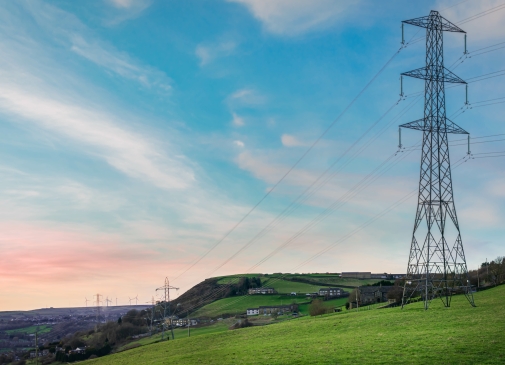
x=317, y=308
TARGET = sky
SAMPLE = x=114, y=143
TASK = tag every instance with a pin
x=137, y=135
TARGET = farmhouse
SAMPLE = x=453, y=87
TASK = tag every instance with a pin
x=331, y=292
x=271, y=309
x=373, y=294
x=264, y=290
x=182, y=322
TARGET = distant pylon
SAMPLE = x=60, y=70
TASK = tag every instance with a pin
x=166, y=289
x=98, y=301
x=437, y=265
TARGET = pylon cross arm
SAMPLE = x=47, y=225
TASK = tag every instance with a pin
x=422, y=125
x=434, y=21
x=427, y=73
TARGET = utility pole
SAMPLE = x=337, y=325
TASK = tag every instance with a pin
x=37, y=347
x=478, y=278
x=152, y=315
x=166, y=289
x=189, y=323
x=437, y=264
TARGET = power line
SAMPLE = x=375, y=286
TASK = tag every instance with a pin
x=488, y=12
x=296, y=163
x=322, y=215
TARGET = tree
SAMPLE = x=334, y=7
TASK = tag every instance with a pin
x=317, y=308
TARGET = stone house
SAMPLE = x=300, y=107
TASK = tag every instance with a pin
x=264, y=290
x=373, y=294
x=331, y=292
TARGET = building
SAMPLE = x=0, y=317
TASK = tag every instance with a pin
x=383, y=276
x=262, y=291
x=253, y=311
x=182, y=322
x=278, y=309
x=331, y=292
x=357, y=275
x=373, y=294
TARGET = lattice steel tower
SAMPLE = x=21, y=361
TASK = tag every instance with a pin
x=437, y=264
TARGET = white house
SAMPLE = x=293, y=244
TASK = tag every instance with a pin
x=253, y=311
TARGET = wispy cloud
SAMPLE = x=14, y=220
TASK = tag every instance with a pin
x=125, y=150
x=120, y=63
x=237, y=120
x=239, y=144
x=126, y=9
x=209, y=52
x=486, y=28
x=294, y=17
x=291, y=141
x=246, y=97
x=66, y=30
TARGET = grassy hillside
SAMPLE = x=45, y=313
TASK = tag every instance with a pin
x=284, y=283
x=237, y=305
x=457, y=335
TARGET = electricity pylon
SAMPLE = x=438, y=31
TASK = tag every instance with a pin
x=98, y=300
x=166, y=289
x=437, y=265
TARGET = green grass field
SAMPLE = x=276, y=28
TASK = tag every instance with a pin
x=30, y=330
x=457, y=335
x=304, y=308
x=237, y=305
x=179, y=333
x=285, y=286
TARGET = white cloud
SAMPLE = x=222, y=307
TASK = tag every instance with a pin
x=291, y=141
x=125, y=3
x=126, y=9
x=67, y=30
x=127, y=151
x=239, y=144
x=120, y=63
x=237, y=121
x=208, y=53
x=293, y=17
x=486, y=28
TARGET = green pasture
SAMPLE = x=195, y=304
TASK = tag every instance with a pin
x=31, y=330
x=283, y=285
x=460, y=334
x=304, y=308
x=237, y=305
x=217, y=326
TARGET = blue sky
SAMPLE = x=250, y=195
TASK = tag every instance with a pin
x=137, y=133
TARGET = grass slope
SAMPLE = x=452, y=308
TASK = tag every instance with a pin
x=237, y=305
x=457, y=335
x=283, y=285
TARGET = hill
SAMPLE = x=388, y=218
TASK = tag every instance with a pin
x=457, y=335
x=225, y=303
